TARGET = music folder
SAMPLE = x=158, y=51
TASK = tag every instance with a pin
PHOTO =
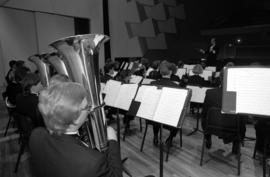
x=119, y=95
x=164, y=105
x=246, y=90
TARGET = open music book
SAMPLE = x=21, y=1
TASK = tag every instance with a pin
x=119, y=95
x=246, y=90
x=180, y=72
x=211, y=68
x=206, y=74
x=135, y=79
x=165, y=105
x=198, y=93
x=147, y=81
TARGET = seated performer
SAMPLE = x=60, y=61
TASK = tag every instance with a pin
x=164, y=81
x=109, y=72
x=27, y=101
x=196, y=79
x=56, y=150
x=213, y=98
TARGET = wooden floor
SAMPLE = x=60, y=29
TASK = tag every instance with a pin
x=183, y=162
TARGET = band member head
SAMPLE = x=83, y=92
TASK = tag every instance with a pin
x=197, y=69
x=164, y=68
x=63, y=107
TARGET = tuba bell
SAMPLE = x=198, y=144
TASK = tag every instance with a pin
x=43, y=68
x=80, y=55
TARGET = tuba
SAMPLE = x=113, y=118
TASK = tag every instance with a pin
x=43, y=68
x=80, y=58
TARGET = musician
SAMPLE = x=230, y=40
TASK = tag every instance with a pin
x=155, y=74
x=109, y=72
x=196, y=79
x=174, y=77
x=56, y=150
x=164, y=81
x=27, y=101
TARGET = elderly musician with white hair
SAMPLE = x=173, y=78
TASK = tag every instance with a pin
x=56, y=150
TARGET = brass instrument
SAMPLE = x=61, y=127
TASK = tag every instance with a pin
x=43, y=68
x=80, y=56
x=55, y=60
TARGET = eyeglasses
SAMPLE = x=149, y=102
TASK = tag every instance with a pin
x=90, y=108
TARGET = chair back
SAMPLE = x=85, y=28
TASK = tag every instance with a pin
x=218, y=123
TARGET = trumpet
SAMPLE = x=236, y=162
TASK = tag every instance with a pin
x=79, y=58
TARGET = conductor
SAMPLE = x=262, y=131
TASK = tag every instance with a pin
x=211, y=53
x=56, y=150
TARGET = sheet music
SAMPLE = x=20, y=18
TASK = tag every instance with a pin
x=125, y=96
x=149, y=102
x=111, y=90
x=180, y=72
x=188, y=67
x=148, y=71
x=252, y=86
x=206, y=74
x=141, y=92
x=135, y=79
x=126, y=66
x=171, y=104
x=102, y=87
x=130, y=65
x=198, y=93
x=147, y=81
x=217, y=74
x=114, y=73
x=122, y=64
x=211, y=68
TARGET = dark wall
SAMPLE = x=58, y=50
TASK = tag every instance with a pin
x=201, y=15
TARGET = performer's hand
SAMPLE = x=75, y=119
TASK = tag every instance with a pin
x=111, y=134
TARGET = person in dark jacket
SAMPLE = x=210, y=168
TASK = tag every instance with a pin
x=196, y=79
x=165, y=80
x=56, y=150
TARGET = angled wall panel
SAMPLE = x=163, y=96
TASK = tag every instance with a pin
x=168, y=26
x=177, y=11
x=157, y=12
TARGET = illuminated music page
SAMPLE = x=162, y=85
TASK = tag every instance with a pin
x=170, y=106
x=198, y=93
x=147, y=81
x=135, y=79
x=125, y=96
x=149, y=102
x=252, y=87
x=111, y=90
x=140, y=93
x=180, y=72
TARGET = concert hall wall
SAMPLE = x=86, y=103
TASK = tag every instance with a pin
x=28, y=26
